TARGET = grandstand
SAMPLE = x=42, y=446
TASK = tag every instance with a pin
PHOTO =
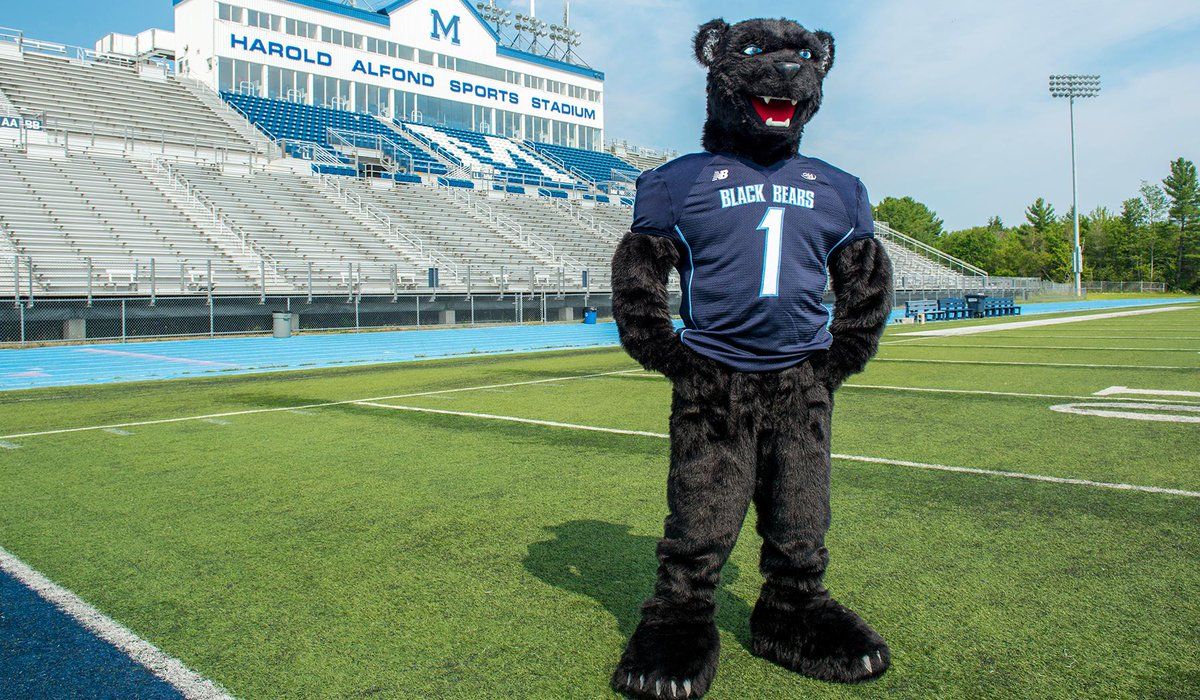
x=138, y=181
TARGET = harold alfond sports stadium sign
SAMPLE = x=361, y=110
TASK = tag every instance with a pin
x=432, y=48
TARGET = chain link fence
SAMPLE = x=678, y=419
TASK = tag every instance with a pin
x=25, y=321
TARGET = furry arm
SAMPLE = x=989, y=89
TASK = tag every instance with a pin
x=640, y=269
x=862, y=284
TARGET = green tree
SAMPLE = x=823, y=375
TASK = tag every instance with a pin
x=976, y=245
x=911, y=217
x=1040, y=215
x=1157, y=227
x=995, y=223
x=1183, y=190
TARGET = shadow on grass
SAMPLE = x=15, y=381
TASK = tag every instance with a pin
x=608, y=564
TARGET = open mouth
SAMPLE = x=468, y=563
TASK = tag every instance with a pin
x=774, y=111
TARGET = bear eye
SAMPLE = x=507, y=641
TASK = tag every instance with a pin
x=805, y=54
x=752, y=50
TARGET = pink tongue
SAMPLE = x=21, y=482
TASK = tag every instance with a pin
x=778, y=110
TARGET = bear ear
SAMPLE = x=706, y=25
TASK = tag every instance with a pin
x=708, y=39
x=826, y=40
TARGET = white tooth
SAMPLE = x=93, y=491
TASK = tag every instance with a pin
x=793, y=103
x=767, y=100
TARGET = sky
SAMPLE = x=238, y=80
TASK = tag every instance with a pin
x=942, y=100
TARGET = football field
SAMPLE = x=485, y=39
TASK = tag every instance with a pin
x=1016, y=510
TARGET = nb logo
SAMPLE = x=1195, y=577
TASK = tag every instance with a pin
x=441, y=28
x=720, y=175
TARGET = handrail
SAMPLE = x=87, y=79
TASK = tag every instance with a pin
x=514, y=228
x=593, y=224
x=927, y=250
x=448, y=159
x=388, y=148
x=557, y=162
x=223, y=225
x=265, y=143
x=401, y=232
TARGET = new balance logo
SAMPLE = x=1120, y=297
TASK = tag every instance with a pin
x=720, y=175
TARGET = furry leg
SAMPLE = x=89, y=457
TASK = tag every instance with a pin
x=673, y=652
x=795, y=623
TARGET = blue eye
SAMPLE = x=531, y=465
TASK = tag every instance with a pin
x=752, y=50
x=805, y=54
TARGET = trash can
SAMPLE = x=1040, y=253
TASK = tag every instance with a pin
x=975, y=305
x=589, y=315
x=282, y=324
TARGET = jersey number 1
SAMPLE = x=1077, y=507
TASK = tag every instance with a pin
x=772, y=223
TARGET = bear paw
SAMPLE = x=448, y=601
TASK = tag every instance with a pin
x=820, y=638
x=668, y=660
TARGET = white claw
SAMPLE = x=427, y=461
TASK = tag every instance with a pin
x=672, y=687
x=658, y=687
x=867, y=662
x=641, y=681
x=629, y=679
x=879, y=655
x=687, y=688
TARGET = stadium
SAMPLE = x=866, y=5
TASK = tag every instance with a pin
x=309, y=387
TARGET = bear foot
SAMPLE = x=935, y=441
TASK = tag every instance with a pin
x=668, y=659
x=818, y=637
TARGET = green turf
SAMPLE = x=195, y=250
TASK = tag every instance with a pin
x=349, y=551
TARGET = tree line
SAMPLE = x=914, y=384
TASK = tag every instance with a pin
x=1154, y=238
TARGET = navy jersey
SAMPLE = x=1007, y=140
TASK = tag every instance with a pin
x=754, y=245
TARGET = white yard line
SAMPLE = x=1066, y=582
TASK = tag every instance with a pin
x=1124, y=390
x=981, y=392
x=254, y=411
x=992, y=327
x=1031, y=364
x=1130, y=410
x=190, y=684
x=1182, y=351
x=852, y=458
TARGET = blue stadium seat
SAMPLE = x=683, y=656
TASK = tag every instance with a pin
x=295, y=122
x=600, y=166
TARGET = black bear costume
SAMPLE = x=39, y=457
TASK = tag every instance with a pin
x=755, y=367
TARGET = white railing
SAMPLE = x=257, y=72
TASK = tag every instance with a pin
x=392, y=155
x=214, y=218
x=232, y=115
x=590, y=222
x=557, y=162
x=513, y=228
x=888, y=233
x=403, y=236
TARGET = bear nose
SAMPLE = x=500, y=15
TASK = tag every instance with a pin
x=788, y=70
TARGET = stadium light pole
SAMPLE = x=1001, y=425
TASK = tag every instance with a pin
x=1070, y=87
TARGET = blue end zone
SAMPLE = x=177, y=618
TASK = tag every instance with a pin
x=44, y=653
x=129, y=362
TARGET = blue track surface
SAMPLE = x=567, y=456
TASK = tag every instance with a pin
x=127, y=362
x=44, y=653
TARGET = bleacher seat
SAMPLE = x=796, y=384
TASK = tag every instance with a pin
x=503, y=157
x=600, y=166
x=291, y=121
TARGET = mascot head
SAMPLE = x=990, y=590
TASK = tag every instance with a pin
x=764, y=84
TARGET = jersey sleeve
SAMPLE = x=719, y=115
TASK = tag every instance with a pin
x=862, y=215
x=653, y=211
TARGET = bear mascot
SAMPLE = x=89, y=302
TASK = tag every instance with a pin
x=757, y=232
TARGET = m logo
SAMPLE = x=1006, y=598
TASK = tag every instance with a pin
x=441, y=28
x=720, y=175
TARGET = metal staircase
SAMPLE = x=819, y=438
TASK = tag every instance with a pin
x=227, y=237
x=395, y=234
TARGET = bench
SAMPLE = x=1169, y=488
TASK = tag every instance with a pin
x=955, y=308
x=924, y=310
x=1000, y=306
